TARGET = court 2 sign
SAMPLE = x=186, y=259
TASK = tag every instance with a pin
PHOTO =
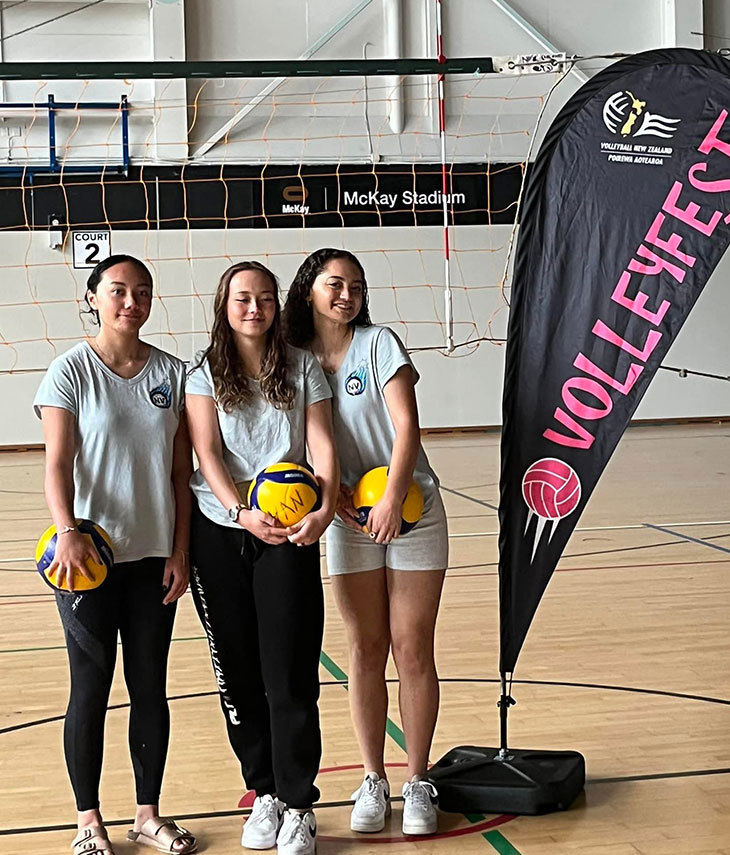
x=91, y=247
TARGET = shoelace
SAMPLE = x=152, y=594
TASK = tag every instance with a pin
x=298, y=829
x=265, y=809
x=420, y=794
x=369, y=795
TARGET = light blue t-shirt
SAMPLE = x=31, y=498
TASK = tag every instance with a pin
x=364, y=431
x=125, y=429
x=258, y=434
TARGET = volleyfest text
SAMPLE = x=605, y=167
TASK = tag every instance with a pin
x=676, y=209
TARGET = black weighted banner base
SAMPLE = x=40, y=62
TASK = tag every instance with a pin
x=472, y=779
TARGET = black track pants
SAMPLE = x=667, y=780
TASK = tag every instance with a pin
x=262, y=609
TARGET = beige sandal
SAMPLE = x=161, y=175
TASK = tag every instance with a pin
x=164, y=837
x=92, y=840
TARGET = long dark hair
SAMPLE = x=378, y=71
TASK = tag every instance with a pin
x=297, y=315
x=98, y=272
x=232, y=387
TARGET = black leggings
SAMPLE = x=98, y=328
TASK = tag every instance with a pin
x=129, y=603
x=263, y=612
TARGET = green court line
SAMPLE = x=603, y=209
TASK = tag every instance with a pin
x=334, y=669
x=495, y=838
x=500, y=843
x=391, y=728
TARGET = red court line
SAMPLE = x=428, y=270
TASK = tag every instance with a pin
x=477, y=828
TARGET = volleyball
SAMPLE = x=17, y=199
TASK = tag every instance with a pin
x=287, y=491
x=369, y=490
x=46, y=551
x=551, y=488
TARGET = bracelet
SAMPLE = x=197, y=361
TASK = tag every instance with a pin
x=182, y=552
x=65, y=529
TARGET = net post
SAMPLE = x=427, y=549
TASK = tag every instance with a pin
x=448, y=298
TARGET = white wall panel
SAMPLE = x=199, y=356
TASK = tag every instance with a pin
x=464, y=390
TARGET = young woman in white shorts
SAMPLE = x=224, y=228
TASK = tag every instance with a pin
x=387, y=586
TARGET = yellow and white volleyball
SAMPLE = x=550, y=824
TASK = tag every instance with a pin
x=370, y=489
x=46, y=552
x=287, y=491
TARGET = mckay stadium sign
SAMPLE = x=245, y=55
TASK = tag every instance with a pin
x=353, y=199
x=390, y=194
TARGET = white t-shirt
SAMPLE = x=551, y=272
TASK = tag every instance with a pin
x=125, y=430
x=364, y=431
x=258, y=434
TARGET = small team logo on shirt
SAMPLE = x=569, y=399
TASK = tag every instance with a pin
x=161, y=396
x=357, y=381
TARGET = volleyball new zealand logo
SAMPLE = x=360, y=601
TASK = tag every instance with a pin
x=551, y=490
x=623, y=110
x=358, y=380
x=161, y=396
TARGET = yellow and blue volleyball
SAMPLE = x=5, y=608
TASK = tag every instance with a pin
x=287, y=491
x=370, y=489
x=46, y=551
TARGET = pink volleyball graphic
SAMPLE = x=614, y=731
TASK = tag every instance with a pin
x=551, y=488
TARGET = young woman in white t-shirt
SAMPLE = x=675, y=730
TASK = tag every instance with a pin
x=117, y=452
x=387, y=586
x=252, y=402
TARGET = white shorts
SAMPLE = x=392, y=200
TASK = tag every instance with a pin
x=425, y=547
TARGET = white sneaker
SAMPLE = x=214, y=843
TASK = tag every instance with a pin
x=262, y=826
x=298, y=835
x=372, y=804
x=419, y=813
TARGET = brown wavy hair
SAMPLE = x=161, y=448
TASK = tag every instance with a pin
x=232, y=387
x=297, y=315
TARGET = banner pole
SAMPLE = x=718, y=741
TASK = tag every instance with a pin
x=504, y=703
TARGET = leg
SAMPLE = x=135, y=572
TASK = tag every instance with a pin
x=414, y=600
x=223, y=595
x=362, y=599
x=89, y=623
x=290, y=610
x=146, y=629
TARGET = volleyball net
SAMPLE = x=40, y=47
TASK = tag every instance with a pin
x=418, y=175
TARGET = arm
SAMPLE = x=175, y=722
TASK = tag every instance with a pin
x=400, y=398
x=321, y=444
x=72, y=548
x=177, y=566
x=206, y=437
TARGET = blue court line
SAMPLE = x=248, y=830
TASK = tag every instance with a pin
x=688, y=537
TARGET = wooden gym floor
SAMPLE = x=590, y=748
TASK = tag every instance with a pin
x=628, y=661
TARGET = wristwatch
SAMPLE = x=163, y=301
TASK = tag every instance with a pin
x=235, y=511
